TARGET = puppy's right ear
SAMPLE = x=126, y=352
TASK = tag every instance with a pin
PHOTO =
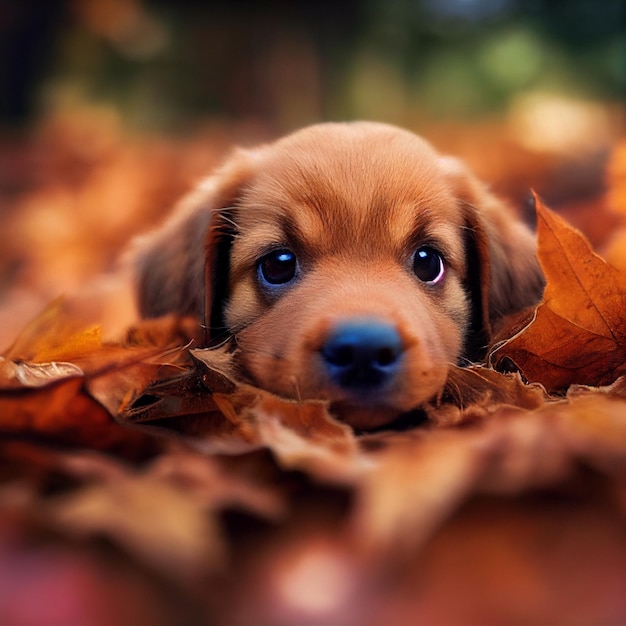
x=183, y=266
x=504, y=275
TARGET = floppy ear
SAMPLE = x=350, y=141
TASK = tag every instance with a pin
x=183, y=267
x=504, y=275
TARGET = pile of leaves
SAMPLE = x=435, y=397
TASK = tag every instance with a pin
x=142, y=483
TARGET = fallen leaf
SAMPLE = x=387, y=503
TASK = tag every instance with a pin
x=416, y=481
x=154, y=520
x=216, y=367
x=222, y=414
x=19, y=374
x=57, y=333
x=477, y=392
x=40, y=374
x=594, y=423
x=219, y=486
x=179, y=395
x=64, y=413
x=578, y=332
x=304, y=436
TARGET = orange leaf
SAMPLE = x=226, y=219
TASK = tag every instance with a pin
x=59, y=381
x=578, y=332
x=63, y=412
x=56, y=333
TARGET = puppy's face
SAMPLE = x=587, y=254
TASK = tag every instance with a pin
x=347, y=273
x=349, y=262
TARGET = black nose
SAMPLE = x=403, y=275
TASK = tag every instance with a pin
x=362, y=354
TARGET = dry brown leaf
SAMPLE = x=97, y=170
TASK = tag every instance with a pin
x=163, y=515
x=224, y=415
x=578, y=333
x=36, y=374
x=304, y=436
x=64, y=413
x=420, y=480
x=154, y=520
x=477, y=392
x=179, y=395
x=594, y=423
x=183, y=404
x=65, y=399
x=414, y=484
x=216, y=367
x=58, y=344
x=216, y=486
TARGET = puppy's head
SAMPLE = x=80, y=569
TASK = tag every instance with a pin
x=349, y=262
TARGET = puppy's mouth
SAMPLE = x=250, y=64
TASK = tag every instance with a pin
x=409, y=420
x=373, y=415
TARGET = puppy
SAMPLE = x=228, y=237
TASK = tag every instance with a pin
x=348, y=262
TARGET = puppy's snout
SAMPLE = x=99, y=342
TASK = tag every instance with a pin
x=362, y=354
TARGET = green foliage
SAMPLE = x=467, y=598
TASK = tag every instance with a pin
x=285, y=63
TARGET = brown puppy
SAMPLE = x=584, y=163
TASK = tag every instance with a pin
x=349, y=262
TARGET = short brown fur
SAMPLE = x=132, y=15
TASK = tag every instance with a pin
x=353, y=202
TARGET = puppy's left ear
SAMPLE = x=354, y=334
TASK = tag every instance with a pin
x=503, y=273
x=183, y=266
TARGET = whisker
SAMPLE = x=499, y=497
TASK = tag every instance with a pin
x=296, y=387
x=265, y=352
x=222, y=343
x=226, y=218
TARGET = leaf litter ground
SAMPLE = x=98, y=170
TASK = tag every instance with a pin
x=142, y=482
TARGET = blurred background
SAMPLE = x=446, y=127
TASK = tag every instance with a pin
x=110, y=109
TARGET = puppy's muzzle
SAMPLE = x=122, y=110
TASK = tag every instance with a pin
x=362, y=354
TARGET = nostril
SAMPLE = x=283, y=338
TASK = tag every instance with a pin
x=386, y=356
x=342, y=355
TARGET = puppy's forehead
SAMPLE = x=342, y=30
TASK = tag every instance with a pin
x=340, y=184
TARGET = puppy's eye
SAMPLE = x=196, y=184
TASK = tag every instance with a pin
x=428, y=265
x=278, y=267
